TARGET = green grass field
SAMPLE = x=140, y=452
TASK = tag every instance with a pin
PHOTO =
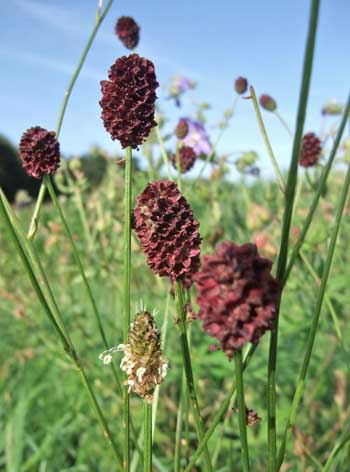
x=46, y=420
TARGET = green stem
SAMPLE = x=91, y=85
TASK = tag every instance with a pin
x=219, y=415
x=266, y=140
x=318, y=194
x=289, y=204
x=55, y=201
x=163, y=151
x=147, y=417
x=126, y=298
x=242, y=417
x=210, y=156
x=99, y=18
x=337, y=448
x=283, y=123
x=188, y=370
x=67, y=344
x=315, y=319
x=179, y=421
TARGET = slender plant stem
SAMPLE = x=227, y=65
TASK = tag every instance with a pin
x=242, y=417
x=126, y=298
x=55, y=201
x=287, y=217
x=315, y=319
x=147, y=418
x=337, y=448
x=283, y=123
x=219, y=414
x=318, y=194
x=266, y=139
x=179, y=422
x=188, y=370
x=67, y=344
x=163, y=151
x=99, y=19
x=210, y=156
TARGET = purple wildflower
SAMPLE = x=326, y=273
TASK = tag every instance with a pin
x=197, y=138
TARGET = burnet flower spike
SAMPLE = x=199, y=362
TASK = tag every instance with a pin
x=237, y=295
x=310, y=150
x=187, y=158
x=167, y=230
x=40, y=152
x=128, y=100
x=128, y=31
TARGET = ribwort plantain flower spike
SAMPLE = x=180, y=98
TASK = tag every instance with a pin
x=310, y=150
x=187, y=158
x=167, y=230
x=39, y=151
x=237, y=295
x=143, y=361
x=128, y=100
x=128, y=31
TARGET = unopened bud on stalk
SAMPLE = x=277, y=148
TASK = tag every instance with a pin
x=267, y=103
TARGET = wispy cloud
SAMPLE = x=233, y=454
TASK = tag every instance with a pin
x=49, y=63
x=59, y=17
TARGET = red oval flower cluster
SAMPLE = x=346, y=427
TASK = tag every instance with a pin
x=187, y=158
x=128, y=100
x=237, y=295
x=168, y=232
x=39, y=151
x=128, y=31
x=310, y=150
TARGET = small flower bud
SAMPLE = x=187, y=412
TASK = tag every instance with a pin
x=181, y=129
x=241, y=85
x=267, y=102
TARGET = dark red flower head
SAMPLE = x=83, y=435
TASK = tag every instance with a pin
x=187, y=158
x=237, y=295
x=128, y=100
x=241, y=85
x=267, y=102
x=181, y=129
x=39, y=151
x=310, y=150
x=128, y=31
x=168, y=232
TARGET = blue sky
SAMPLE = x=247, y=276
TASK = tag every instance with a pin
x=210, y=42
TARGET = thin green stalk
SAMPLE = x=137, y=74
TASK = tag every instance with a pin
x=219, y=415
x=289, y=204
x=163, y=151
x=126, y=299
x=315, y=319
x=333, y=455
x=266, y=139
x=242, y=417
x=164, y=331
x=99, y=19
x=48, y=184
x=147, y=418
x=188, y=370
x=210, y=156
x=67, y=345
x=283, y=123
x=318, y=194
x=179, y=421
x=178, y=167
